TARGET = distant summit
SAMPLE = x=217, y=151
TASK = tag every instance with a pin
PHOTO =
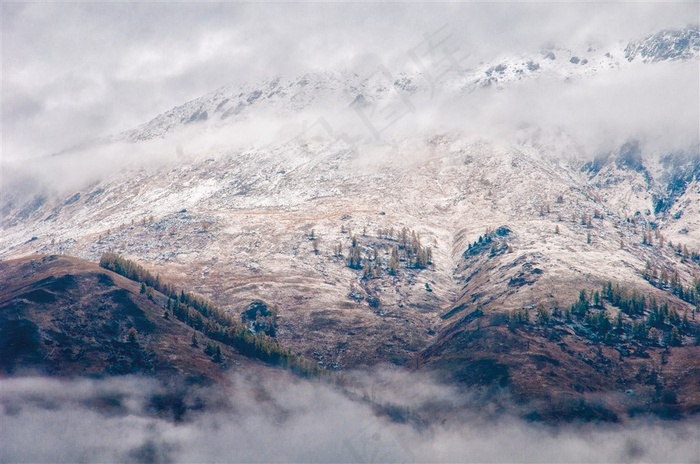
x=669, y=44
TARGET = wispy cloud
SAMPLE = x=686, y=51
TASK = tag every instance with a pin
x=275, y=418
x=80, y=70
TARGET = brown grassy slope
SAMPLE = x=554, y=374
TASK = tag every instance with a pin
x=564, y=376
x=66, y=316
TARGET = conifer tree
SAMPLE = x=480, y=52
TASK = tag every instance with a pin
x=355, y=258
x=393, y=263
x=217, y=357
x=132, y=336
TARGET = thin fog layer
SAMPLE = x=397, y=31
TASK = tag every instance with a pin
x=379, y=417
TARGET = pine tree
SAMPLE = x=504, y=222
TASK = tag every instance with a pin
x=543, y=316
x=580, y=308
x=618, y=324
x=653, y=335
x=394, y=261
x=210, y=349
x=639, y=331
x=132, y=336
x=217, y=357
x=367, y=271
x=355, y=258
x=675, y=337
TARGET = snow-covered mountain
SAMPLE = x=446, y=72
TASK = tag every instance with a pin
x=330, y=230
x=673, y=44
x=283, y=97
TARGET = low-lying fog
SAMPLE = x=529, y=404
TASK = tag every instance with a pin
x=376, y=417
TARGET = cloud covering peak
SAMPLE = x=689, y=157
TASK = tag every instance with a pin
x=72, y=72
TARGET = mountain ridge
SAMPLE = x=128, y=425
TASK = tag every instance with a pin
x=223, y=103
x=428, y=250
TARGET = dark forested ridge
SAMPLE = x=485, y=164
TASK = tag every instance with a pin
x=203, y=316
x=64, y=316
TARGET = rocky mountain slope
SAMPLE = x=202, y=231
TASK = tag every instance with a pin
x=433, y=250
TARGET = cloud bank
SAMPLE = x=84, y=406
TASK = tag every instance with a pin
x=382, y=417
x=76, y=71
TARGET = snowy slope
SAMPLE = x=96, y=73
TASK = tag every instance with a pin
x=235, y=223
x=282, y=97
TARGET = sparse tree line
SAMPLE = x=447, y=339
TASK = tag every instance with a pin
x=651, y=237
x=640, y=318
x=659, y=277
x=260, y=318
x=492, y=240
x=205, y=317
x=403, y=247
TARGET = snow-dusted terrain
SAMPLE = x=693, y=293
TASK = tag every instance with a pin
x=237, y=214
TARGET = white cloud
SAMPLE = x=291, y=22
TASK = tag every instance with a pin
x=272, y=417
x=79, y=70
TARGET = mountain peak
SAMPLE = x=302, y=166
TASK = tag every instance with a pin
x=668, y=44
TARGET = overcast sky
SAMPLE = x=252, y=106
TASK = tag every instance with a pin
x=73, y=71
